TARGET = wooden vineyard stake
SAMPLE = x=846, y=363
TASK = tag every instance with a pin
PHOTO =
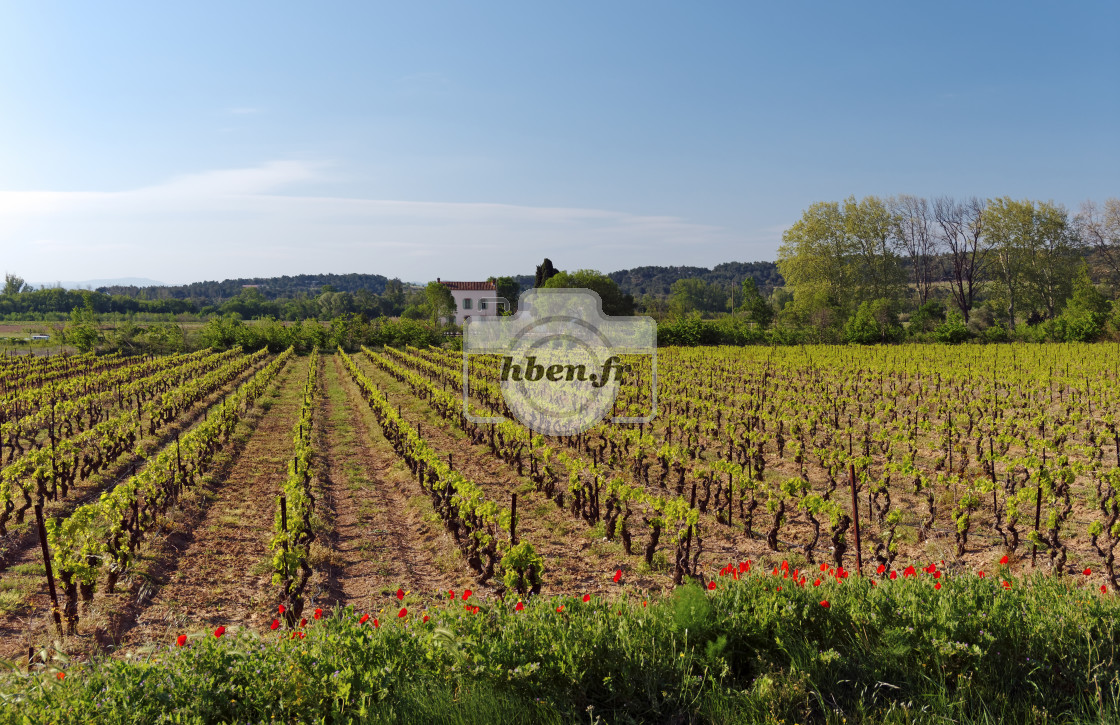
x=50, y=571
x=512, y=519
x=1037, y=516
x=730, y=496
x=179, y=464
x=855, y=516
x=284, y=528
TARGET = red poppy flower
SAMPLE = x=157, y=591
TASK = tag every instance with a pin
x=219, y=631
x=275, y=624
x=980, y=574
x=520, y=607
x=841, y=573
x=909, y=571
x=1004, y=559
x=937, y=575
x=825, y=604
x=560, y=608
x=364, y=619
x=303, y=622
x=937, y=585
x=318, y=614
x=882, y=568
x=281, y=608
x=617, y=576
x=1103, y=589
x=1087, y=571
x=894, y=574
x=1007, y=585
x=645, y=603
x=295, y=635
x=425, y=618
x=744, y=566
x=711, y=586
x=785, y=565
x=824, y=567
x=402, y=613
x=376, y=624
x=874, y=583
x=400, y=595
x=181, y=641
x=817, y=583
x=450, y=593
x=774, y=572
x=61, y=675
x=779, y=589
x=466, y=594
x=302, y=635
x=586, y=598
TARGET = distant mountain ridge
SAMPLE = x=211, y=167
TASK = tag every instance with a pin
x=656, y=281
x=93, y=284
x=270, y=287
x=652, y=280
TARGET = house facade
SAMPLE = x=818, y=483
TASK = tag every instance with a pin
x=472, y=299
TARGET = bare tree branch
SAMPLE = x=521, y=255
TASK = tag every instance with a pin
x=914, y=232
x=961, y=225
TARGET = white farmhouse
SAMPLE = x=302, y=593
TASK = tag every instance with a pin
x=472, y=299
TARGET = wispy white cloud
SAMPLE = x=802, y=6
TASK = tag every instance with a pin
x=248, y=222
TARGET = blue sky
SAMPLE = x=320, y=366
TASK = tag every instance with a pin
x=189, y=141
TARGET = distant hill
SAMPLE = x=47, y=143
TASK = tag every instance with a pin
x=656, y=281
x=133, y=282
x=269, y=287
x=651, y=280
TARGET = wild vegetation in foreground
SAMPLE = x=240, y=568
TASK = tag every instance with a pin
x=778, y=646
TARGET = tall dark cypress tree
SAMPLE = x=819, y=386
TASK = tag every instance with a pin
x=545, y=271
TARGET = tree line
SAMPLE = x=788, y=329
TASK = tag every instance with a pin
x=993, y=268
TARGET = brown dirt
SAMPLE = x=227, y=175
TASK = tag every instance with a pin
x=220, y=570
x=23, y=538
x=30, y=622
x=383, y=534
x=578, y=559
x=721, y=543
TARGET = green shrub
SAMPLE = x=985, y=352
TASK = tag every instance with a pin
x=953, y=331
x=761, y=649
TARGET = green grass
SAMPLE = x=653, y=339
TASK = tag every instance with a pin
x=899, y=652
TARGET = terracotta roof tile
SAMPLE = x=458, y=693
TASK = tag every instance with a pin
x=469, y=286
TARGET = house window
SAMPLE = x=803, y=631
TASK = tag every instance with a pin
x=467, y=303
x=482, y=304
